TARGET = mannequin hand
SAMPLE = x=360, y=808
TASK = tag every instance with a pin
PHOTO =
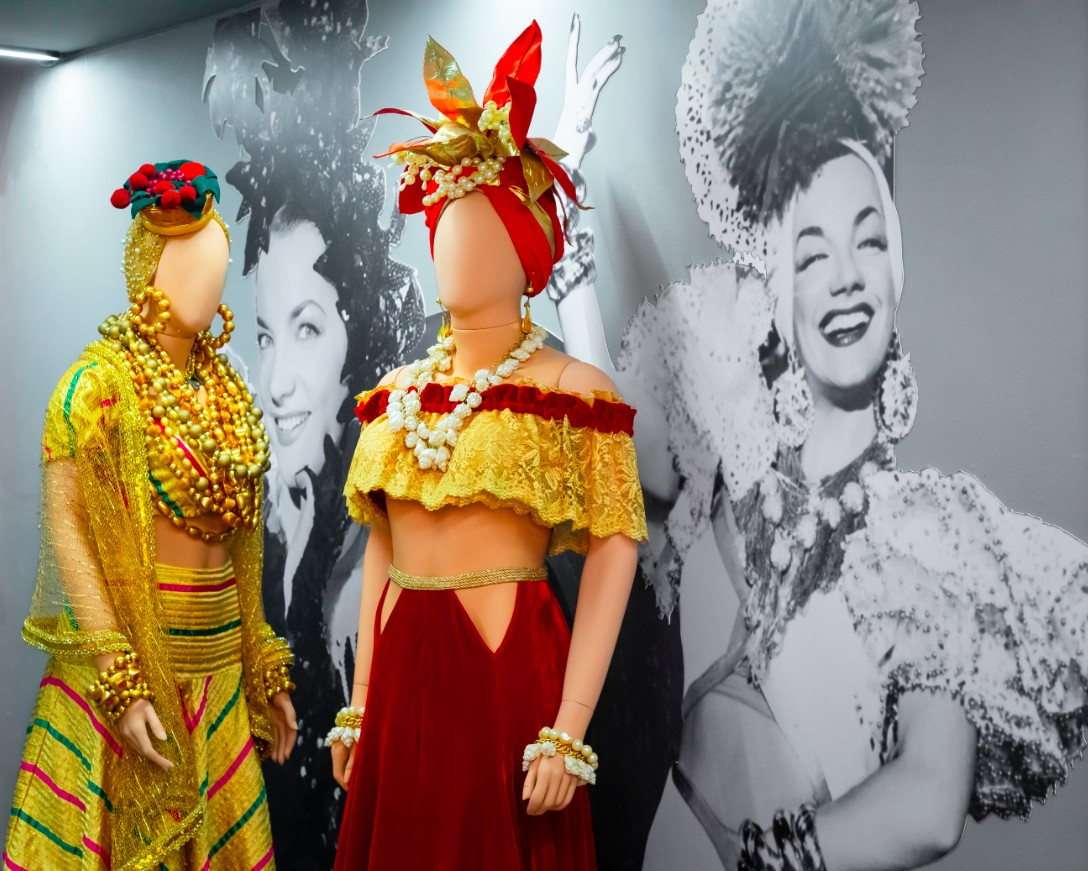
x=574, y=132
x=548, y=787
x=342, y=761
x=134, y=725
x=284, y=726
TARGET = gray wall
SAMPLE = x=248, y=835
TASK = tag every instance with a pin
x=992, y=186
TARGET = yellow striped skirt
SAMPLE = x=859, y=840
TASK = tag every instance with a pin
x=60, y=816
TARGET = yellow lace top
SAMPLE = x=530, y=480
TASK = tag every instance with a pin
x=565, y=460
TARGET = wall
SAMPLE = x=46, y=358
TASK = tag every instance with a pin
x=992, y=186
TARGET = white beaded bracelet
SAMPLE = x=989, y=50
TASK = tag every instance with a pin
x=348, y=726
x=579, y=759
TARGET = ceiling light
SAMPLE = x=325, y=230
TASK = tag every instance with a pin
x=28, y=54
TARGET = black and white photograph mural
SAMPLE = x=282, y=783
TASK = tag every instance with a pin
x=833, y=256
x=906, y=651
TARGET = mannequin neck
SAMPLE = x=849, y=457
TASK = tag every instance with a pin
x=177, y=347
x=484, y=346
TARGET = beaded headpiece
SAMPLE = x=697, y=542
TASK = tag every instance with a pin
x=769, y=87
x=175, y=198
x=487, y=148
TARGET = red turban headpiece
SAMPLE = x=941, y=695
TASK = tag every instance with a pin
x=488, y=149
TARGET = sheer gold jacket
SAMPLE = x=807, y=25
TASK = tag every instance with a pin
x=97, y=592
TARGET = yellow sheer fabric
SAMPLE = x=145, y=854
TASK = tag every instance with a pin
x=577, y=481
x=97, y=591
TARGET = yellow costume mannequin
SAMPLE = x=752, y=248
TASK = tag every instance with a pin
x=164, y=683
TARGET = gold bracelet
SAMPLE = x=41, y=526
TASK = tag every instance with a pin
x=119, y=686
x=347, y=727
x=277, y=659
x=277, y=679
x=579, y=758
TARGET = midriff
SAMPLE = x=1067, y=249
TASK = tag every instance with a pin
x=176, y=547
x=457, y=539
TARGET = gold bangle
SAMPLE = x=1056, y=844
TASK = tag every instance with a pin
x=568, y=746
x=119, y=686
x=277, y=679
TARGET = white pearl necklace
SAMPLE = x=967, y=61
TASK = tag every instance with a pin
x=432, y=445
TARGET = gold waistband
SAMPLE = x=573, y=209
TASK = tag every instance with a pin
x=466, y=580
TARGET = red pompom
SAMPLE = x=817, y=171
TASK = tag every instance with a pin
x=171, y=199
x=162, y=187
x=138, y=181
x=148, y=170
x=120, y=198
x=187, y=194
x=192, y=170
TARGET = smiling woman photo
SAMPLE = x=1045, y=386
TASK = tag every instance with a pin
x=907, y=650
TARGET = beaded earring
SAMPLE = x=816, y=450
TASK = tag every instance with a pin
x=228, y=327
x=792, y=403
x=159, y=302
x=896, y=403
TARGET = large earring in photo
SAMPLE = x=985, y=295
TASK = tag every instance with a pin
x=228, y=327
x=792, y=404
x=527, y=319
x=896, y=394
x=444, y=328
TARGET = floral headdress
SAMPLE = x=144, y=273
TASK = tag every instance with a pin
x=165, y=199
x=768, y=87
x=487, y=148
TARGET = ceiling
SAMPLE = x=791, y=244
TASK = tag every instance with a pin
x=78, y=25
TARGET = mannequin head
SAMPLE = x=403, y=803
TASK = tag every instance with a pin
x=480, y=277
x=192, y=272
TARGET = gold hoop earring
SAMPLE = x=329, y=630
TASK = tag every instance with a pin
x=445, y=328
x=527, y=321
x=228, y=327
x=159, y=302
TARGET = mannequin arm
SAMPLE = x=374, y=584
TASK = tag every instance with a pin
x=602, y=599
x=67, y=538
x=376, y=560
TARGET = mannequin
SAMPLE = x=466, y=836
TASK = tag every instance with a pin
x=148, y=597
x=544, y=462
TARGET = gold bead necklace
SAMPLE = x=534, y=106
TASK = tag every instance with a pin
x=225, y=428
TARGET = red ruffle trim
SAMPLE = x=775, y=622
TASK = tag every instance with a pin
x=602, y=415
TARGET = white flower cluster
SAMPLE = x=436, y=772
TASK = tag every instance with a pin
x=347, y=734
x=432, y=445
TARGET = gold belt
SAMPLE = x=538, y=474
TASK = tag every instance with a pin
x=466, y=580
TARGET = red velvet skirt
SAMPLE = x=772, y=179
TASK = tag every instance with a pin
x=437, y=778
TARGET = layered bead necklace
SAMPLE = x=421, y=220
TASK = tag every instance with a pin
x=226, y=428
x=432, y=445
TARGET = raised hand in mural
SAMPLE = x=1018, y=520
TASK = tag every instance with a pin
x=574, y=131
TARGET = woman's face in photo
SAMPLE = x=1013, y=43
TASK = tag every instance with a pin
x=303, y=343
x=844, y=297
